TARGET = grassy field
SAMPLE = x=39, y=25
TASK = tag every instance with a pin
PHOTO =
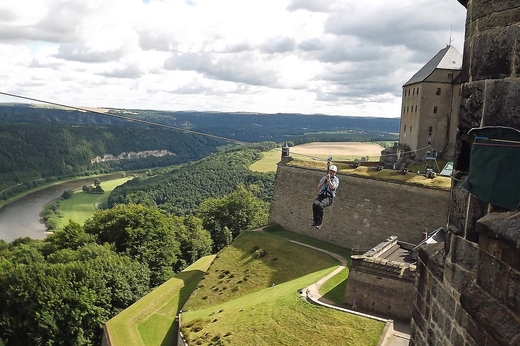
x=268, y=161
x=82, y=205
x=248, y=299
x=149, y=321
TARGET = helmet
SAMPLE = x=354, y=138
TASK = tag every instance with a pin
x=333, y=168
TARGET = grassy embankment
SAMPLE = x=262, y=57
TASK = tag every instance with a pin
x=149, y=321
x=235, y=303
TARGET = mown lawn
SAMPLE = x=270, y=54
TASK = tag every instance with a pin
x=236, y=302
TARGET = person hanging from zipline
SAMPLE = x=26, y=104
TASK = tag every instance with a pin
x=327, y=191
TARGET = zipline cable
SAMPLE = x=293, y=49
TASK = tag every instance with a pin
x=125, y=118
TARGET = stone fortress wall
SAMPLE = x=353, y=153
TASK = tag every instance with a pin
x=364, y=212
x=468, y=288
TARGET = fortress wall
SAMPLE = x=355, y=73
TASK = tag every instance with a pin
x=380, y=289
x=364, y=213
x=467, y=288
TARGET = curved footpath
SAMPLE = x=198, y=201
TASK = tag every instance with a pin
x=389, y=337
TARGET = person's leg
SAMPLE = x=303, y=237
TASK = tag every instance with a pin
x=323, y=202
x=316, y=211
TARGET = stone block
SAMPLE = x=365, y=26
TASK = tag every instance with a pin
x=492, y=55
x=456, y=338
x=464, y=253
x=470, y=114
x=438, y=316
x=492, y=276
x=459, y=278
x=513, y=291
x=483, y=8
x=502, y=227
x=502, y=103
x=446, y=300
x=499, y=19
x=436, y=264
x=495, y=319
x=457, y=216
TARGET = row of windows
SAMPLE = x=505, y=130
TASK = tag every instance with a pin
x=404, y=129
x=406, y=92
x=409, y=109
x=430, y=129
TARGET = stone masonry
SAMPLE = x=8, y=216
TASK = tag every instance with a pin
x=468, y=289
x=382, y=284
x=364, y=213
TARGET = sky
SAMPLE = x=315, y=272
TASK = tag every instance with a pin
x=337, y=57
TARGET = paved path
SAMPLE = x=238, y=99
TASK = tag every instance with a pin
x=397, y=332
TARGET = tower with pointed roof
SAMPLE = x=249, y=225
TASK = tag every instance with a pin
x=430, y=102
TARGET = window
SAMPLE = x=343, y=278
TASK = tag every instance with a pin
x=434, y=109
x=415, y=108
x=438, y=91
x=413, y=92
x=404, y=128
x=411, y=128
x=430, y=129
x=450, y=75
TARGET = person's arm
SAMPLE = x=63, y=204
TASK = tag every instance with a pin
x=323, y=181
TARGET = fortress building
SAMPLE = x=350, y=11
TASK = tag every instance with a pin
x=429, y=113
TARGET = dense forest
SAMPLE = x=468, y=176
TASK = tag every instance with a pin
x=33, y=154
x=179, y=190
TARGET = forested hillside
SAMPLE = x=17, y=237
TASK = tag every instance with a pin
x=245, y=127
x=32, y=154
x=180, y=190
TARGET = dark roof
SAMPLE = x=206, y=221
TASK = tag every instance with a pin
x=448, y=58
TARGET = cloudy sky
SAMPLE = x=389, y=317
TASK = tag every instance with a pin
x=338, y=57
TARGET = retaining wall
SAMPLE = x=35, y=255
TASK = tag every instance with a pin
x=364, y=213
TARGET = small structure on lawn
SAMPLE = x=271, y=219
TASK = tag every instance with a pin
x=381, y=280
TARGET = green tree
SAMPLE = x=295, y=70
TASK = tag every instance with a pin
x=72, y=236
x=144, y=234
x=237, y=212
x=67, y=194
x=67, y=303
x=195, y=241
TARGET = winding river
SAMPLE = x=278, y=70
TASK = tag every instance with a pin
x=21, y=218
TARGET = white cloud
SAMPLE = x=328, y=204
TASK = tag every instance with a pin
x=344, y=57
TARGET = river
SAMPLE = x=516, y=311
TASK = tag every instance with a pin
x=21, y=218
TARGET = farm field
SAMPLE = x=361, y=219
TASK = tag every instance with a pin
x=338, y=150
x=320, y=150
